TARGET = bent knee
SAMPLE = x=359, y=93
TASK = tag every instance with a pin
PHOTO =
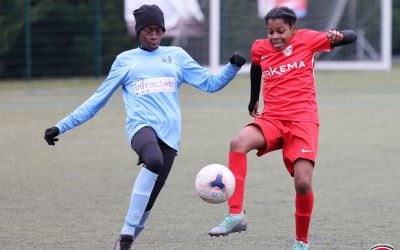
x=153, y=164
x=303, y=187
x=235, y=145
x=239, y=145
x=248, y=139
x=152, y=157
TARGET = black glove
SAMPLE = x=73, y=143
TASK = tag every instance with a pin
x=50, y=134
x=238, y=58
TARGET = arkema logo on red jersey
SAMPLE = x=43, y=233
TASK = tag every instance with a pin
x=282, y=69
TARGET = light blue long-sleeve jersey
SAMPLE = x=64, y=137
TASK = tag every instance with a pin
x=150, y=86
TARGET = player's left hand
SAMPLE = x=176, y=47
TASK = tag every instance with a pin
x=50, y=135
x=253, y=109
x=334, y=36
x=238, y=58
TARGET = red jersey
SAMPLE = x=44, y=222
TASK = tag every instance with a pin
x=288, y=76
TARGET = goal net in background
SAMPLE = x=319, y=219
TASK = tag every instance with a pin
x=91, y=33
x=231, y=25
x=241, y=24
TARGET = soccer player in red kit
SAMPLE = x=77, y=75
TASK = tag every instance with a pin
x=289, y=120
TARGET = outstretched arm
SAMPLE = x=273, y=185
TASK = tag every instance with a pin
x=340, y=38
x=255, y=81
x=201, y=78
x=90, y=107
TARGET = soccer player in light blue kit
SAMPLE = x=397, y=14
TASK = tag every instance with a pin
x=150, y=77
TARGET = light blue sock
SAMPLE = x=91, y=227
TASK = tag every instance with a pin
x=141, y=192
x=142, y=224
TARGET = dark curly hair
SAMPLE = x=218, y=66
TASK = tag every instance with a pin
x=285, y=13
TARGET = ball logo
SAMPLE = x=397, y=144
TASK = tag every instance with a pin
x=215, y=183
x=381, y=247
x=288, y=51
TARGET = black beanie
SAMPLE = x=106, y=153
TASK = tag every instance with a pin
x=148, y=15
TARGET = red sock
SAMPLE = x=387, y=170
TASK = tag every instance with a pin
x=304, y=206
x=238, y=166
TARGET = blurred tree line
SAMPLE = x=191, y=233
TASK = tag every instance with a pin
x=73, y=36
x=63, y=32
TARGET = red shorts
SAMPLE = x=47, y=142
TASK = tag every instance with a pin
x=296, y=139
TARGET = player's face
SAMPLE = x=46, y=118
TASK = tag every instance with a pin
x=280, y=33
x=150, y=37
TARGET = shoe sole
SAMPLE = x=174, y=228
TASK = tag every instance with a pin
x=238, y=229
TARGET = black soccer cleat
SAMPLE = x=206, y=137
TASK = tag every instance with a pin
x=124, y=242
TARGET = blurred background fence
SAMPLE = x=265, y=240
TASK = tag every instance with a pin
x=66, y=38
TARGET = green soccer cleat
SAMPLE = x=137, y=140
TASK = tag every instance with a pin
x=233, y=223
x=299, y=245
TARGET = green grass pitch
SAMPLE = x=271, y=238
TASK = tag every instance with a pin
x=75, y=195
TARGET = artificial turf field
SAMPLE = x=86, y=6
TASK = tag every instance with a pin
x=75, y=195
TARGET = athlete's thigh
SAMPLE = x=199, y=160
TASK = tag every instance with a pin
x=146, y=138
x=300, y=142
x=142, y=137
x=272, y=134
x=249, y=138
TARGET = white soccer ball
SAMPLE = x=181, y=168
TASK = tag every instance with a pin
x=215, y=183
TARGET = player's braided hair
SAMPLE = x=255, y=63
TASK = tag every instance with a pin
x=285, y=13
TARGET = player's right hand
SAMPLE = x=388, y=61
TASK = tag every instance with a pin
x=253, y=109
x=50, y=135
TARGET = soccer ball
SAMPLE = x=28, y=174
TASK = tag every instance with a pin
x=215, y=183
